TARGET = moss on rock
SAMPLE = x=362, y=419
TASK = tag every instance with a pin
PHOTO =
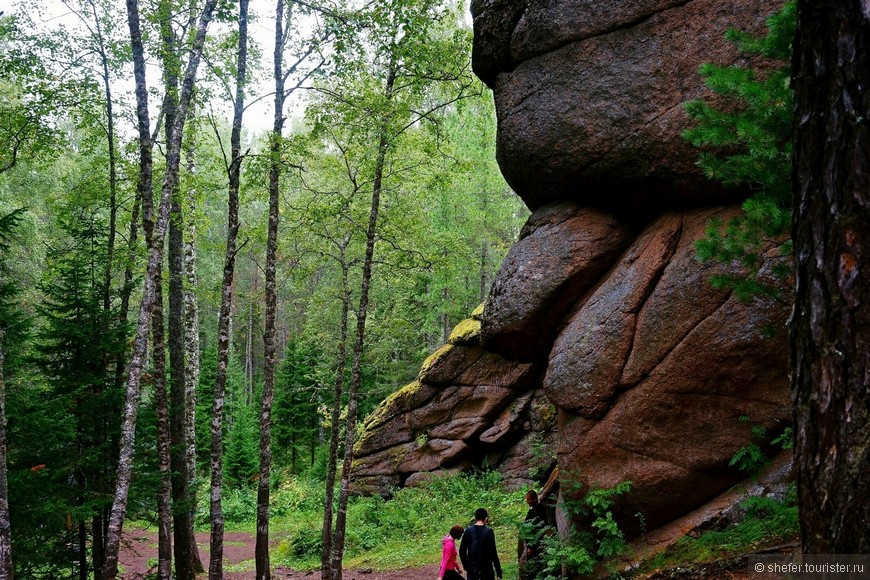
x=433, y=358
x=465, y=332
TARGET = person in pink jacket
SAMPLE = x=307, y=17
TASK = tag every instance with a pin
x=450, y=568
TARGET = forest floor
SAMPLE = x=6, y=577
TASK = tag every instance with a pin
x=139, y=555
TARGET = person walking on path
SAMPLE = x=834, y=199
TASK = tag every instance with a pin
x=477, y=549
x=450, y=570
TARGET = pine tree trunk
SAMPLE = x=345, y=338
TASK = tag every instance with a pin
x=6, y=570
x=359, y=343
x=830, y=329
x=155, y=254
x=215, y=569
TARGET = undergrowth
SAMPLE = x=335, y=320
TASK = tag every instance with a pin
x=404, y=531
x=768, y=521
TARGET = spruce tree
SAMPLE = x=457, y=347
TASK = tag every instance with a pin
x=77, y=346
x=9, y=317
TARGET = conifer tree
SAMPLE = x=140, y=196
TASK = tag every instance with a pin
x=747, y=144
x=78, y=343
x=8, y=316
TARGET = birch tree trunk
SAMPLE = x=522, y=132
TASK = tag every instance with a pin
x=187, y=562
x=192, y=356
x=161, y=403
x=155, y=255
x=335, y=417
x=261, y=549
x=830, y=329
x=215, y=569
x=359, y=343
x=6, y=570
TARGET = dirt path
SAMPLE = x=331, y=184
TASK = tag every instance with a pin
x=139, y=553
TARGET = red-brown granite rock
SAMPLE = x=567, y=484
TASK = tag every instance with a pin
x=562, y=252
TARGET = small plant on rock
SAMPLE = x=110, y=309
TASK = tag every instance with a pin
x=585, y=548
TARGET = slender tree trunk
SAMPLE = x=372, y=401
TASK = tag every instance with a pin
x=113, y=163
x=187, y=562
x=830, y=329
x=359, y=343
x=128, y=428
x=215, y=569
x=101, y=479
x=269, y=349
x=261, y=550
x=161, y=399
x=83, y=552
x=161, y=403
x=192, y=356
x=155, y=255
x=335, y=418
x=6, y=570
x=249, y=346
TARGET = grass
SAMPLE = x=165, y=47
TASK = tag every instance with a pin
x=767, y=522
x=403, y=532
x=406, y=531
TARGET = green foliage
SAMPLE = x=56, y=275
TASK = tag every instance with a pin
x=25, y=96
x=296, y=408
x=61, y=477
x=747, y=143
x=751, y=457
x=405, y=530
x=12, y=319
x=600, y=541
x=768, y=520
x=241, y=449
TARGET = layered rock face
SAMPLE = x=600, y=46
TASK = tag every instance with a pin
x=602, y=344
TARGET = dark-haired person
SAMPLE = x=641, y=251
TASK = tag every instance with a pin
x=477, y=549
x=450, y=569
x=531, y=559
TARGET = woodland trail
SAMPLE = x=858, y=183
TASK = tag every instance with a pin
x=139, y=553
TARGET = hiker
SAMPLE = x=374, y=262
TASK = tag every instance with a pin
x=450, y=569
x=477, y=549
x=531, y=562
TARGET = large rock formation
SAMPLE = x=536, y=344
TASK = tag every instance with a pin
x=602, y=338
x=589, y=94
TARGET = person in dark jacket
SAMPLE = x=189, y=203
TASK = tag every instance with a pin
x=531, y=563
x=477, y=550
